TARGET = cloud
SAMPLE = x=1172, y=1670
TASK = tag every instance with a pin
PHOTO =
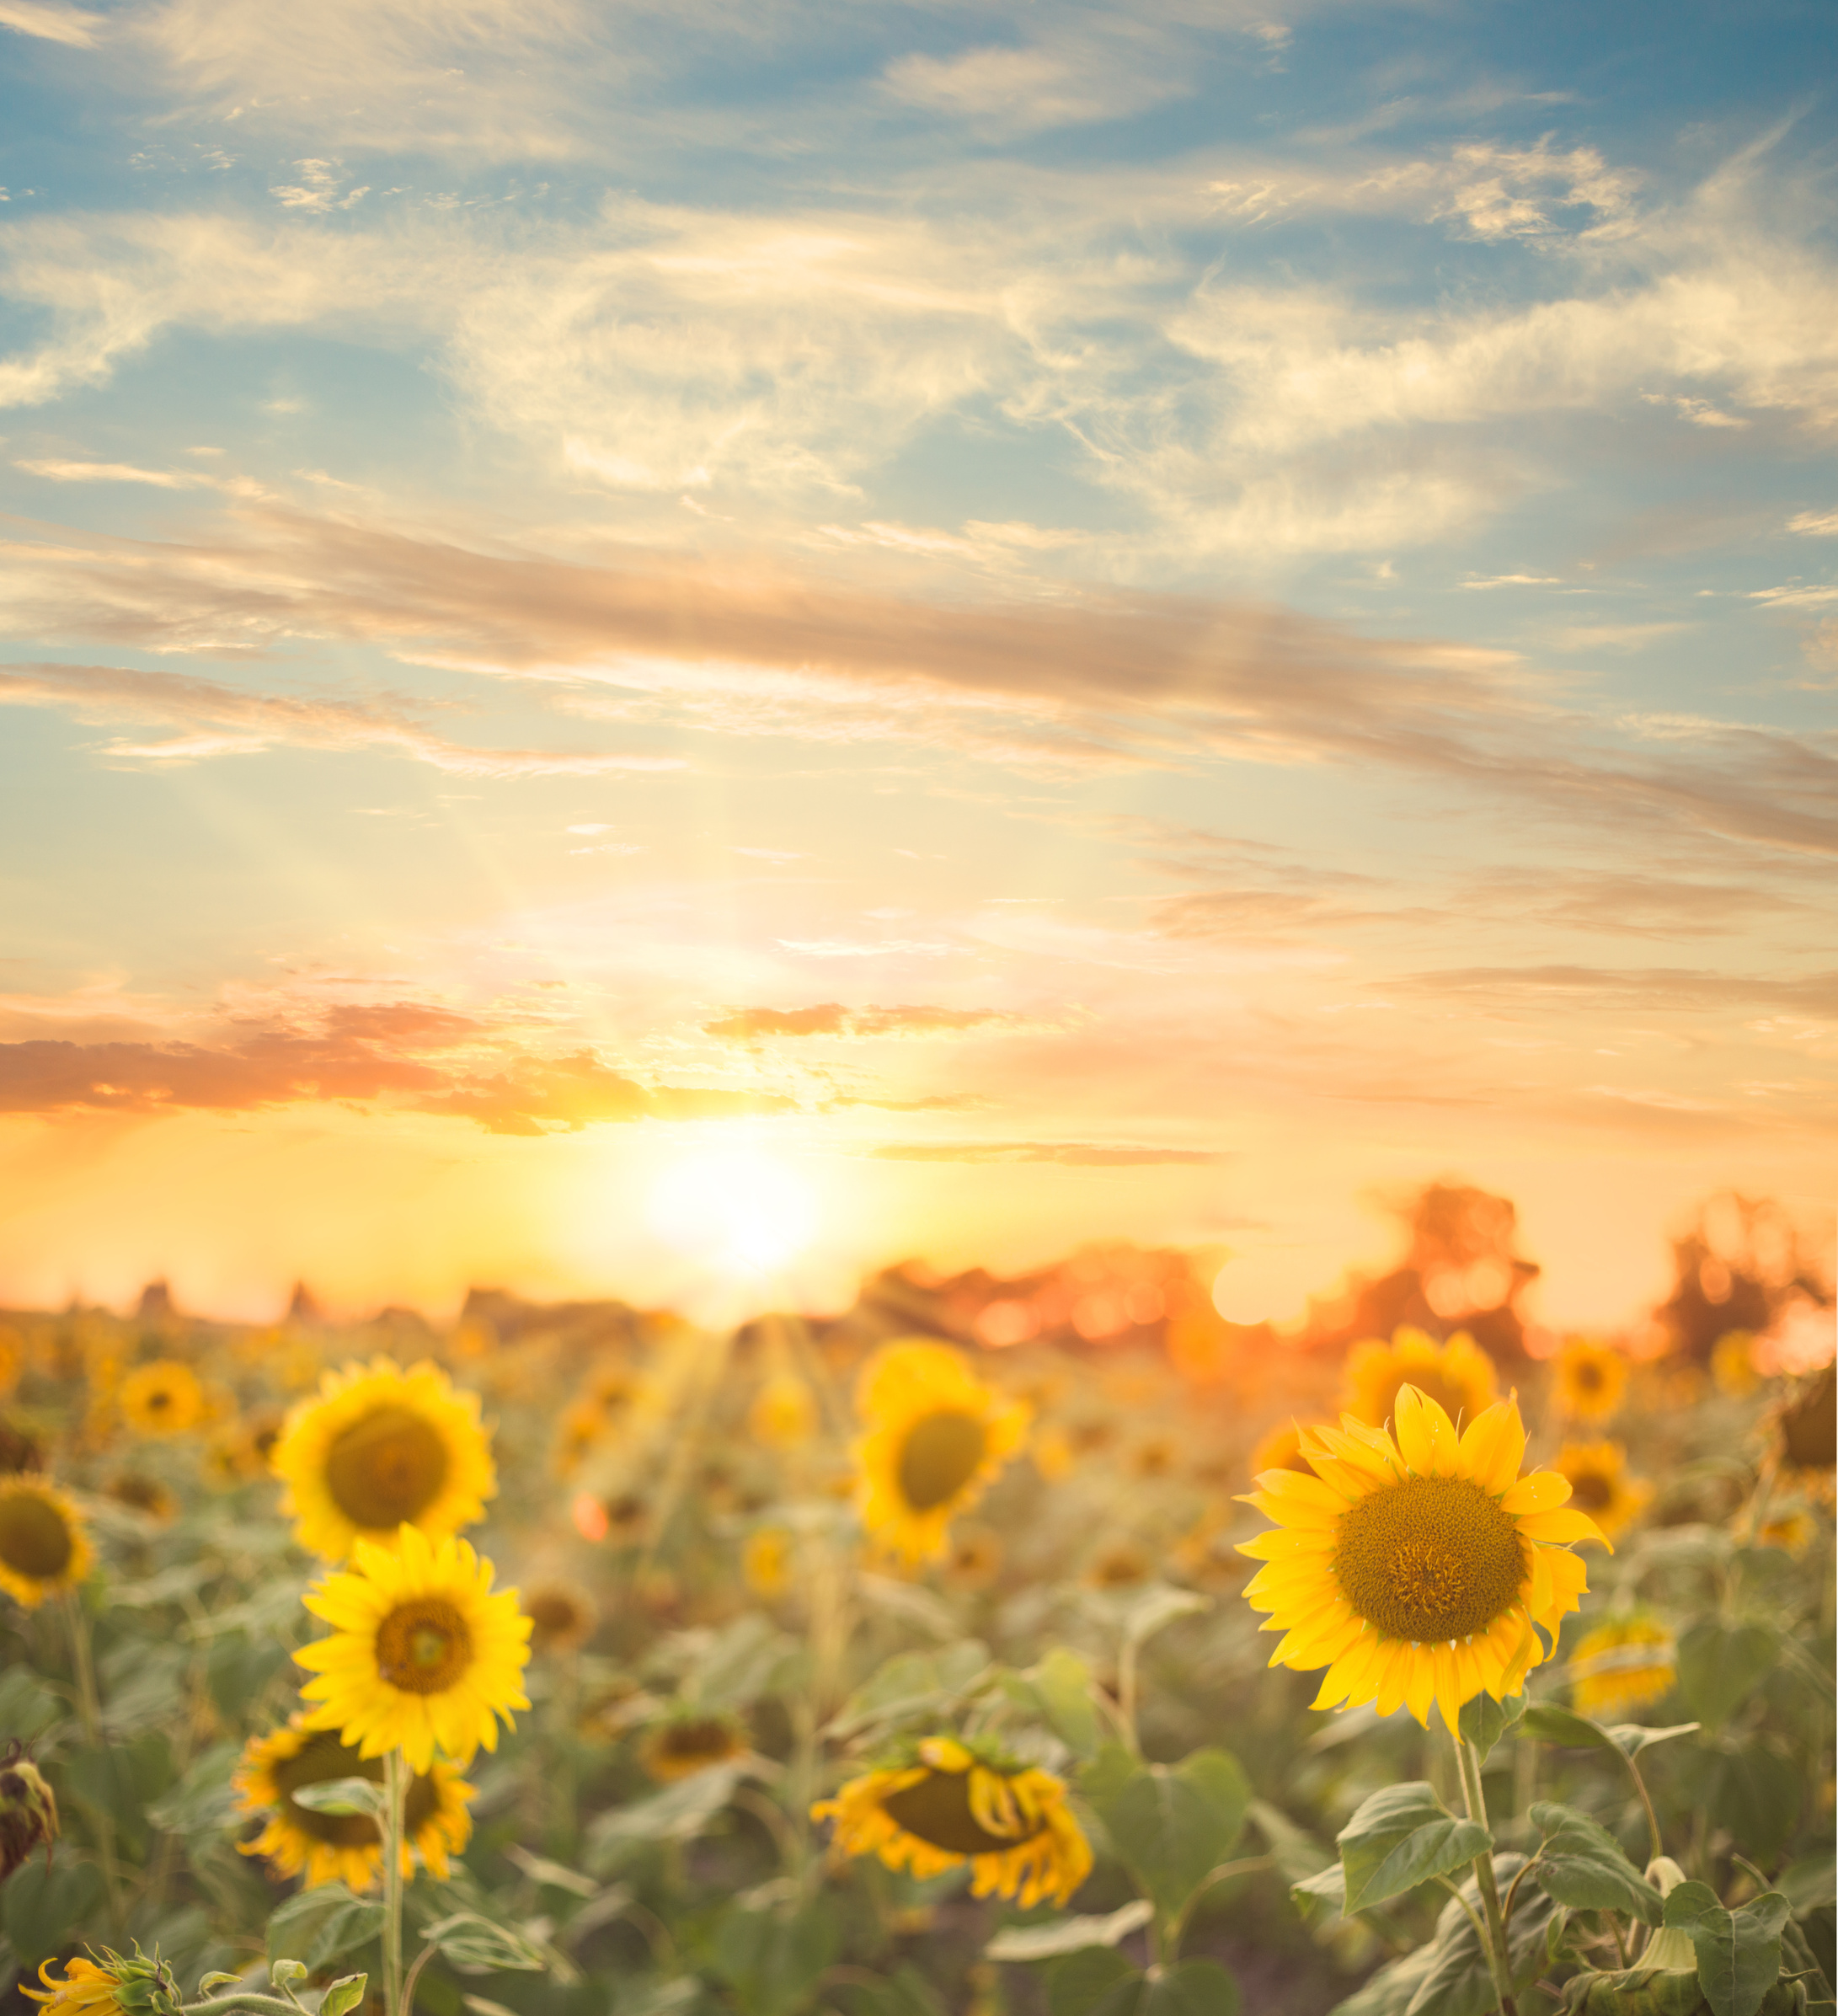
x=1069, y=1154
x=1621, y=989
x=399, y=1054
x=1072, y=81
x=1814, y=524
x=213, y=720
x=51, y=22
x=831, y=1018
x=108, y=471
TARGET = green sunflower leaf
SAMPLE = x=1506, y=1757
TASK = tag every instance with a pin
x=1581, y=1864
x=1172, y=1825
x=1403, y=1836
x=1484, y=1720
x=1739, y=1952
x=345, y=1995
x=1720, y=1664
x=342, y=1796
x=316, y=1926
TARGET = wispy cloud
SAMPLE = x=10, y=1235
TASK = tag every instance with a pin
x=832, y=1018
x=51, y=22
x=1069, y=1154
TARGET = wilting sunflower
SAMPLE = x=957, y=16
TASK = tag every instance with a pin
x=377, y=1448
x=422, y=1655
x=946, y=1803
x=1806, y=1429
x=1599, y=1484
x=1591, y=1379
x=162, y=1397
x=1458, y=1376
x=783, y=1414
x=1415, y=1568
x=346, y=1848
x=935, y=1437
x=681, y=1746
x=562, y=1615
x=43, y=1548
x=1624, y=1663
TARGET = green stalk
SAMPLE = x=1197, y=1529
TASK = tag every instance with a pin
x=396, y=1778
x=1468, y=1763
x=89, y=1707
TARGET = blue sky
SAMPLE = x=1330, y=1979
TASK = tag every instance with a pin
x=1247, y=595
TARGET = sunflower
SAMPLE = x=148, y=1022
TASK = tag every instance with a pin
x=1458, y=1376
x=97, y=1988
x=935, y=1437
x=43, y=1548
x=783, y=1414
x=1624, y=1663
x=326, y=1848
x=1416, y=1568
x=377, y=1448
x=161, y=1398
x=1590, y=1380
x=681, y=1746
x=562, y=1615
x=422, y=1654
x=945, y=1804
x=1599, y=1484
x=1806, y=1424
x=1733, y=1365
x=1282, y=1449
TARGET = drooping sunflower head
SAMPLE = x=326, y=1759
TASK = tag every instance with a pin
x=1590, y=1380
x=345, y=1847
x=100, y=1986
x=1458, y=1376
x=562, y=1616
x=377, y=1448
x=161, y=1398
x=28, y=1809
x=1806, y=1427
x=941, y=1802
x=934, y=1437
x=1626, y=1662
x=1415, y=1567
x=681, y=1745
x=1599, y=1484
x=43, y=1548
x=422, y=1656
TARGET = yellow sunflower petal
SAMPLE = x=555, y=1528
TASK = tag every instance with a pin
x=1537, y=1493
x=1563, y=1526
x=1493, y=1447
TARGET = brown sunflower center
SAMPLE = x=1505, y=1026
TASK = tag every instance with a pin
x=1429, y=1559
x=1588, y=1375
x=553, y=1612
x=423, y=1645
x=937, y=1809
x=1591, y=1491
x=36, y=1538
x=941, y=1452
x=1810, y=1427
x=709, y=1741
x=387, y=1467
x=324, y=1757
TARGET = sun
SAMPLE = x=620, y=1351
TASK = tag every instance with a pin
x=736, y=1210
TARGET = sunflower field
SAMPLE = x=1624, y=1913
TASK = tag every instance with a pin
x=578, y=1662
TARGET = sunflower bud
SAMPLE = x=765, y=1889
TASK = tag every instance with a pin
x=145, y=1984
x=28, y=1810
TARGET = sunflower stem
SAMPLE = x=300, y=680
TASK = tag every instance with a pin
x=396, y=1778
x=1468, y=1761
x=90, y=1707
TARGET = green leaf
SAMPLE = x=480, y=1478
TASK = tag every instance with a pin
x=1172, y=1825
x=477, y=1944
x=1720, y=1664
x=1756, y=1793
x=1483, y=1720
x=906, y=1992
x=1062, y=1683
x=911, y=1684
x=318, y=1925
x=287, y=1975
x=1326, y=1886
x=1582, y=1864
x=556, y=1875
x=771, y=1958
x=678, y=1813
x=1403, y=1836
x=28, y=1708
x=201, y=1804
x=1809, y=1882
x=1097, y=1982
x=1633, y=1994
x=1456, y=1980
x=1158, y=1607
x=1739, y=1952
x=1069, y=1935
x=751, y=1657
x=1552, y=1722
x=344, y=1995
x=343, y=1797
x=43, y=1903
x=1198, y=1988
x=1631, y=1738
x=1296, y=1853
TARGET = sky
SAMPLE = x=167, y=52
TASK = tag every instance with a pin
x=674, y=651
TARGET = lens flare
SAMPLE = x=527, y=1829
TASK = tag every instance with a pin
x=735, y=1210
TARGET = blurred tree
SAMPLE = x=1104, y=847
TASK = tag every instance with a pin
x=1740, y=1264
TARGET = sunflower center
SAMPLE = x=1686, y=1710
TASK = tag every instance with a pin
x=941, y=1452
x=1591, y=1490
x=1588, y=1377
x=694, y=1743
x=937, y=1809
x=1429, y=1559
x=553, y=1613
x=423, y=1645
x=386, y=1468
x=36, y=1539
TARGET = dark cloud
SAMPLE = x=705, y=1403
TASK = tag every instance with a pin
x=355, y=1054
x=1073, y=1154
x=831, y=1018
